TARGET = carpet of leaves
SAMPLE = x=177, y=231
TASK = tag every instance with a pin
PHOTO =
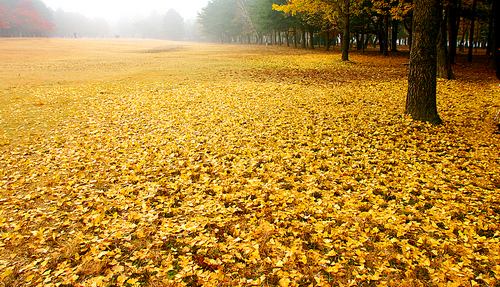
x=151, y=164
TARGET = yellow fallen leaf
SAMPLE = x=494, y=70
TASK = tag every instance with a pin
x=284, y=282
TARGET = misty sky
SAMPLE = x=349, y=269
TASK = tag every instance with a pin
x=116, y=9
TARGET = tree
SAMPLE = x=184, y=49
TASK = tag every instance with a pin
x=4, y=23
x=453, y=23
x=24, y=18
x=220, y=20
x=471, y=33
x=421, y=98
x=334, y=12
x=346, y=38
x=174, y=25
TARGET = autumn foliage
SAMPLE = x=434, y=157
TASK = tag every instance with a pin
x=159, y=164
x=24, y=18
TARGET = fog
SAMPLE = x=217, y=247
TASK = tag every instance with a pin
x=175, y=20
x=115, y=10
x=161, y=19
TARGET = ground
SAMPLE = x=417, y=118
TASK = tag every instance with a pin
x=150, y=163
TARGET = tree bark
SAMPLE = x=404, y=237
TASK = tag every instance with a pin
x=471, y=34
x=345, y=36
x=444, y=68
x=421, y=98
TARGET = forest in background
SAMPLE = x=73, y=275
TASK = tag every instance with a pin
x=384, y=24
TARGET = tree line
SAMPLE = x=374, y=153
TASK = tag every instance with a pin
x=385, y=24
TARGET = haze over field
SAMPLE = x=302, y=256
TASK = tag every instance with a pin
x=113, y=10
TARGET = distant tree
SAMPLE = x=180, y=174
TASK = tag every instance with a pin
x=173, y=24
x=334, y=12
x=4, y=21
x=346, y=36
x=421, y=99
x=387, y=13
x=472, y=30
x=444, y=67
x=25, y=18
x=220, y=21
x=71, y=24
x=264, y=19
x=4, y=13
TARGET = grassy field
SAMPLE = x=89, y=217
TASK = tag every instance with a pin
x=150, y=163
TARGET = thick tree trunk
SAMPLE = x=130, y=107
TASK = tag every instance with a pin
x=444, y=69
x=421, y=98
x=471, y=34
x=345, y=36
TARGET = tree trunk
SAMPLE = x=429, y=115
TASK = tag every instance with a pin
x=496, y=12
x=385, y=49
x=471, y=34
x=311, y=38
x=461, y=46
x=368, y=38
x=444, y=69
x=295, y=42
x=363, y=43
x=453, y=23
x=304, y=40
x=345, y=36
x=421, y=98
x=327, y=39
x=491, y=40
x=394, y=39
x=409, y=28
x=410, y=39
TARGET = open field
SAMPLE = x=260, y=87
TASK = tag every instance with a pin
x=150, y=163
